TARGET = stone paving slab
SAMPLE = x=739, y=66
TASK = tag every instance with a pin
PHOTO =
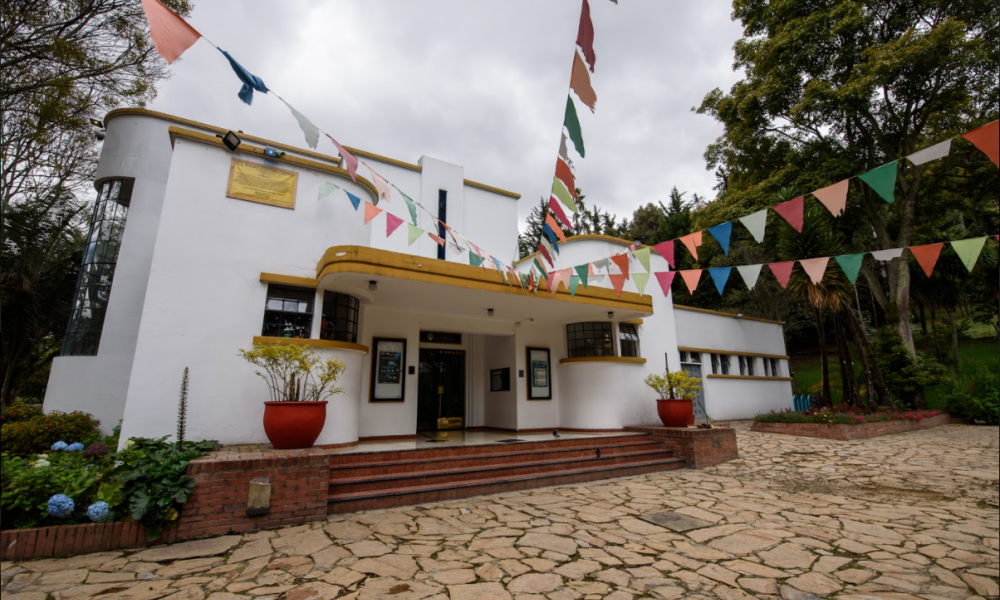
x=910, y=516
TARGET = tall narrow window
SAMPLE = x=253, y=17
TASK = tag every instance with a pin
x=340, y=317
x=97, y=270
x=724, y=363
x=774, y=368
x=715, y=364
x=442, y=218
x=743, y=365
x=288, y=312
x=628, y=339
x=750, y=361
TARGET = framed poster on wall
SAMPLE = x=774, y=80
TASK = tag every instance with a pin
x=388, y=381
x=539, y=374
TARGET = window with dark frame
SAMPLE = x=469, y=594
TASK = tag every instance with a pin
x=743, y=365
x=774, y=368
x=628, y=339
x=767, y=367
x=442, y=219
x=750, y=361
x=288, y=311
x=724, y=363
x=340, y=317
x=715, y=364
x=589, y=339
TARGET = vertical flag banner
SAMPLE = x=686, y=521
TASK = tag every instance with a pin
x=927, y=256
x=720, y=276
x=640, y=279
x=986, y=139
x=392, y=222
x=782, y=271
x=354, y=199
x=933, y=153
x=756, y=224
x=310, y=131
x=791, y=211
x=585, y=36
x=666, y=250
x=815, y=268
x=384, y=192
x=250, y=81
x=572, y=124
x=579, y=82
x=665, y=279
x=721, y=233
x=834, y=197
x=691, y=241
x=850, y=264
x=349, y=161
x=371, y=211
x=691, y=279
x=172, y=35
x=968, y=250
x=413, y=234
x=617, y=282
x=886, y=255
x=882, y=180
x=750, y=274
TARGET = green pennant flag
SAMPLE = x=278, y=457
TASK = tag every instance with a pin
x=414, y=233
x=968, y=250
x=541, y=268
x=326, y=188
x=574, y=281
x=410, y=204
x=572, y=124
x=559, y=191
x=851, y=264
x=583, y=271
x=643, y=255
x=882, y=180
x=474, y=259
x=640, y=279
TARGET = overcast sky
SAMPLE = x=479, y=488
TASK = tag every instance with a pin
x=479, y=83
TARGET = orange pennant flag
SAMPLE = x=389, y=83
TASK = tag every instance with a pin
x=618, y=282
x=371, y=211
x=927, y=256
x=565, y=175
x=440, y=240
x=691, y=278
x=555, y=227
x=834, y=197
x=691, y=241
x=622, y=261
x=171, y=34
x=987, y=139
x=579, y=81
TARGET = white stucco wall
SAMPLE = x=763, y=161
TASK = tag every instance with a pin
x=500, y=408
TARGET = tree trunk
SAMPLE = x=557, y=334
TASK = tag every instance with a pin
x=937, y=342
x=873, y=371
x=923, y=317
x=825, y=398
x=848, y=381
x=899, y=290
x=954, y=342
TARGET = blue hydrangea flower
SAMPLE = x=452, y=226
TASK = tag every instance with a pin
x=60, y=446
x=98, y=511
x=61, y=506
x=74, y=447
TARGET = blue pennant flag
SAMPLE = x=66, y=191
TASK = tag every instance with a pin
x=250, y=81
x=354, y=199
x=721, y=233
x=552, y=237
x=720, y=275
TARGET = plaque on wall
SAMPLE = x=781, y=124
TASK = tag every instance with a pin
x=256, y=182
x=440, y=337
x=539, y=374
x=387, y=382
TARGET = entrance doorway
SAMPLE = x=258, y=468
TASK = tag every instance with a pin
x=441, y=390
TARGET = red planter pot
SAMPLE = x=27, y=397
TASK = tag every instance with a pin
x=294, y=424
x=675, y=413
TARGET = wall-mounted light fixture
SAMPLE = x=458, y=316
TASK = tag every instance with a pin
x=273, y=153
x=231, y=140
x=372, y=285
x=489, y=311
x=739, y=315
x=611, y=315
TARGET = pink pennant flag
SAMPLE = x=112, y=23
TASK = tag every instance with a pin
x=666, y=250
x=665, y=279
x=565, y=274
x=834, y=197
x=691, y=278
x=815, y=268
x=349, y=161
x=782, y=271
x=791, y=211
x=371, y=211
x=590, y=269
x=617, y=282
x=171, y=34
x=440, y=240
x=487, y=260
x=691, y=241
x=384, y=191
x=560, y=214
x=622, y=261
x=553, y=284
x=391, y=223
x=551, y=221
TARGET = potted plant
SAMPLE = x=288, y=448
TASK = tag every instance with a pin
x=676, y=390
x=299, y=383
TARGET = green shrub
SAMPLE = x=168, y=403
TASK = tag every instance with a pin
x=783, y=417
x=977, y=398
x=28, y=483
x=24, y=438
x=20, y=411
x=905, y=375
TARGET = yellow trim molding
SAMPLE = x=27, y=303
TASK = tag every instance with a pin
x=725, y=314
x=733, y=352
x=583, y=238
x=288, y=280
x=757, y=377
x=633, y=321
x=370, y=261
x=261, y=339
x=604, y=359
x=490, y=188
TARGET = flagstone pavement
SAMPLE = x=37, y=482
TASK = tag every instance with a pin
x=905, y=516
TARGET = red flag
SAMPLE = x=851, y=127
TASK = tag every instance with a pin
x=666, y=250
x=579, y=82
x=560, y=214
x=545, y=254
x=782, y=271
x=349, y=161
x=565, y=175
x=585, y=36
x=791, y=211
x=617, y=282
x=171, y=34
x=691, y=278
x=927, y=256
x=665, y=279
x=622, y=261
x=987, y=139
x=371, y=211
x=550, y=220
x=692, y=241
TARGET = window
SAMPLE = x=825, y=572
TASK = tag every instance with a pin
x=750, y=361
x=774, y=367
x=288, y=312
x=715, y=364
x=589, y=339
x=340, y=318
x=442, y=219
x=767, y=367
x=724, y=363
x=97, y=270
x=628, y=339
x=743, y=365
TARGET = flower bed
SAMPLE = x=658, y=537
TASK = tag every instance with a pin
x=844, y=426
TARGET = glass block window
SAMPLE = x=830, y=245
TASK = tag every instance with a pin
x=340, y=318
x=97, y=270
x=288, y=311
x=590, y=339
x=628, y=339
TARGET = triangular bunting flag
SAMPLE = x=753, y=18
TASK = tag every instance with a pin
x=558, y=212
x=381, y=184
x=572, y=124
x=882, y=180
x=642, y=255
x=326, y=188
x=750, y=274
x=574, y=282
x=565, y=275
x=691, y=278
x=850, y=264
x=371, y=211
x=665, y=279
x=886, y=255
x=782, y=271
x=756, y=224
x=410, y=204
x=474, y=259
x=413, y=233
x=721, y=233
x=621, y=260
x=552, y=236
x=543, y=246
x=986, y=138
x=791, y=211
x=579, y=82
x=585, y=36
x=932, y=153
x=559, y=191
x=563, y=153
x=640, y=279
x=553, y=282
x=720, y=276
x=541, y=268
x=583, y=273
x=968, y=250
x=834, y=197
x=347, y=160
x=551, y=222
x=617, y=282
x=310, y=131
x=172, y=35
x=250, y=81
x=666, y=250
x=440, y=240
x=815, y=268
x=392, y=222
x=565, y=175
x=354, y=199
x=927, y=256
x=691, y=241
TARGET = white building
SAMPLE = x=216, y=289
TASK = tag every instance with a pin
x=179, y=273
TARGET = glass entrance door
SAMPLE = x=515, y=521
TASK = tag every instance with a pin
x=441, y=390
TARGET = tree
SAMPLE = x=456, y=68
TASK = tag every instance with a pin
x=527, y=242
x=834, y=88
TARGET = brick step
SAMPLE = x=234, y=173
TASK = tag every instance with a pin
x=351, y=502
x=542, y=464
x=444, y=452
x=342, y=472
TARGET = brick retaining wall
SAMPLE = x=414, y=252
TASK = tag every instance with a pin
x=699, y=448
x=69, y=540
x=862, y=431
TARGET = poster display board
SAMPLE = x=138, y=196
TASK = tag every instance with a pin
x=388, y=382
x=539, y=374
x=256, y=182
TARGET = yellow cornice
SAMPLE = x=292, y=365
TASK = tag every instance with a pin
x=178, y=132
x=371, y=261
x=490, y=188
x=632, y=321
x=583, y=238
x=288, y=280
x=332, y=344
x=733, y=352
x=756, y=377
x=725, y=314
x=604, y=359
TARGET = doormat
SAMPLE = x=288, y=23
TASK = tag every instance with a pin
x=675, y=522
x=436, y=440
x=510, y=441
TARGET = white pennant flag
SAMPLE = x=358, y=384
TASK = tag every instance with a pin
x=928, y=154
x=308, y=129
x=885, y=255
x=756, y=224
x=750, y=273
